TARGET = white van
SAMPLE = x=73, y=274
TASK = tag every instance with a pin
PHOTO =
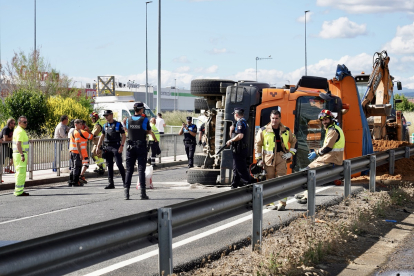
x=121, y=106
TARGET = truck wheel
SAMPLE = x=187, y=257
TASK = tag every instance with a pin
x=200, y=104
x=206, y=87
x=219, y=129
x=199, y=159
x=202, y=176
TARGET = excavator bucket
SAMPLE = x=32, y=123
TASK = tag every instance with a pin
x=378, y=110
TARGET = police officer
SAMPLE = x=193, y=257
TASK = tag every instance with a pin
x=113, y=138
x=138, y=127
x=190, y=132
x=241, y=174
x=332, y=151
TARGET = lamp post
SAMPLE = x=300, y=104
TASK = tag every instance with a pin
x=35, y=26
x=175, y=95
x=159, y=59
x=306, y=62
x=146, y=51
x=257, y=58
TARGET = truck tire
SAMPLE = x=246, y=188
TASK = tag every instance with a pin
x=202, y=176
x=200, y=104
x=207, y=87
x=219, y=141
x=199, y=159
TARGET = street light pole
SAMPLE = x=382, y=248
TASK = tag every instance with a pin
x=257, y=58
x=159, y=59
x=35, y=26
x=146, y=52
x=175, y=95
x=306, y=61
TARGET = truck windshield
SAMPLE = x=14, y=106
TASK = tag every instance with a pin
x=308, y=129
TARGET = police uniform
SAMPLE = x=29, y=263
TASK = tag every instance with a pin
x=112, y=142
x=190, y=142
x=241, y=174
x=137, y=126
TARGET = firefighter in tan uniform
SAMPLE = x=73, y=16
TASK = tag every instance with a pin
x=96, y=132
x=273, y=150
x=332, y=151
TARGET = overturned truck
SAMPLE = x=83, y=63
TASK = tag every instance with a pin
x=299, y=106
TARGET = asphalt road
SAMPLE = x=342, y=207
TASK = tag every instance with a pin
x=58, y=208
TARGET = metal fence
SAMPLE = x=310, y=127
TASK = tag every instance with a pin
x=61, y=248
x=53, y=154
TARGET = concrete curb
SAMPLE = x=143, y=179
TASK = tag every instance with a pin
x=89, y=175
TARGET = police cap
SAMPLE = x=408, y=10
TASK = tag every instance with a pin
x=238, y=110
x=189, y=118
x=108, y=112
x=138, y=105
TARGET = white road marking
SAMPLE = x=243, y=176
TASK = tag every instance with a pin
x=13, y=220
x=181, y=243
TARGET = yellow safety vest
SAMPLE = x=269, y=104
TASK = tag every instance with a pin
x=156, y=133
x=340, y=144
x=269, y=142
x=20, y=135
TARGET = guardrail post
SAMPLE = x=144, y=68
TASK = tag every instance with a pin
x=407, y=152
x=347, y=177
x=257, y=217
x=372, y=172
x=58, y=152
x=30, y=161
x=392, y=162
x=311, y=193
x=175, y=147
x=165, y=260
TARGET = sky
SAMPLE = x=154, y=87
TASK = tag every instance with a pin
x=218, y=39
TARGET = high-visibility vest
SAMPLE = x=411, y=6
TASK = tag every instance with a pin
x=156, y=133
x=269, y=142
x=83, y=141
x=340, y=144
x=20, y=134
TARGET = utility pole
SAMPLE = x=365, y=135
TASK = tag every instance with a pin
x=159, y=59
x=146, y=52
x=306, y=61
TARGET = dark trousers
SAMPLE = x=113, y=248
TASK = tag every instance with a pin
x=110, y=152
x=155, y=148
x=76, y=166
x=241, y=174
x=140, y=154
x=189, y=150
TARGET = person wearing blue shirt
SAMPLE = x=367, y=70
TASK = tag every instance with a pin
x=190, y=131
x=241, y=176
x=113, y=138
x=138, y=127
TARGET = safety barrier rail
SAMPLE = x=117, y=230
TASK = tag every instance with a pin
x=53, y=154
x=44, y=253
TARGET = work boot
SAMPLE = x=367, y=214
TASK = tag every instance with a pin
x=111, y=184
x=281, y=207
x=303, y=200
x=144, y=194
x=24, y=194
x=82, y=179
x=70, y=183
x=126, y=193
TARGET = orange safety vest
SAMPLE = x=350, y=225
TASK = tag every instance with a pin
x=81, y=137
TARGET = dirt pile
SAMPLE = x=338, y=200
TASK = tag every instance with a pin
x=383, y=145
x=404, y=168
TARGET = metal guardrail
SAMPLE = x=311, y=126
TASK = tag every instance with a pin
x=49, y=154
x=60, y=248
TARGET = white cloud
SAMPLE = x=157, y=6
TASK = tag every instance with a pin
x=342, y=28
x=369, y=6
x=301, y=19
x=181, y=59
x=403, y=42
x=182, y=69
x=407, y=59
x=216, y=51
x=211, y=69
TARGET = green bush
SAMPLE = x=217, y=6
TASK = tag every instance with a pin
x=29, y=103
x=72, y=107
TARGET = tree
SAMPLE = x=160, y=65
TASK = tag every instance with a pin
x=29, y=103
x=32, y=72
x=405, y=105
